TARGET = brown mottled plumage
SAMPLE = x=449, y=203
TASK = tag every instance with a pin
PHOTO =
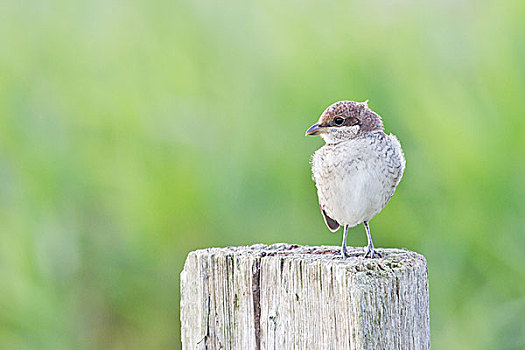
x=353, y=113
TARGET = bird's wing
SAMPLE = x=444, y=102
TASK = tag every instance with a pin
x=397, y=165
x=331, y=223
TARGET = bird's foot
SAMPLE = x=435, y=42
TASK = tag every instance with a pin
x=372, y=253
x=344, y=252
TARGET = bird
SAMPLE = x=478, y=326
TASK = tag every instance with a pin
x=357, y=170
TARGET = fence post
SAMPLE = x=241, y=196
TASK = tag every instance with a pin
x=298, y=297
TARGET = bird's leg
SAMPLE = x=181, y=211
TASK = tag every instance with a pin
x=344, y=252
x=370, y=252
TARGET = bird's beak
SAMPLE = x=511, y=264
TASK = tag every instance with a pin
x=316, y=129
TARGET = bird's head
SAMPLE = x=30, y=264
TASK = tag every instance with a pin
x=345, y=120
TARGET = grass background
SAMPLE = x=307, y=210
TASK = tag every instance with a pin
x=133, y=132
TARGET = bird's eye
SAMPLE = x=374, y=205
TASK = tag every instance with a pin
x=339, y=120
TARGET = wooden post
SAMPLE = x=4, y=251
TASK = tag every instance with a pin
x=297, y=297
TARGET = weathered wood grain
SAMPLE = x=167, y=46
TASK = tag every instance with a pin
x=297, y=297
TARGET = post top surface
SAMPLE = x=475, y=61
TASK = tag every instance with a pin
x=392, y=258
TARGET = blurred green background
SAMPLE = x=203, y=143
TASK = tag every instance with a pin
x=132, y=132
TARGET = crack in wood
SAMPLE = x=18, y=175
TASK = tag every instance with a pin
x=256, y=295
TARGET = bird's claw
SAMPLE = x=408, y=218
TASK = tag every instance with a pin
x=344, y=253
x=372, y=253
